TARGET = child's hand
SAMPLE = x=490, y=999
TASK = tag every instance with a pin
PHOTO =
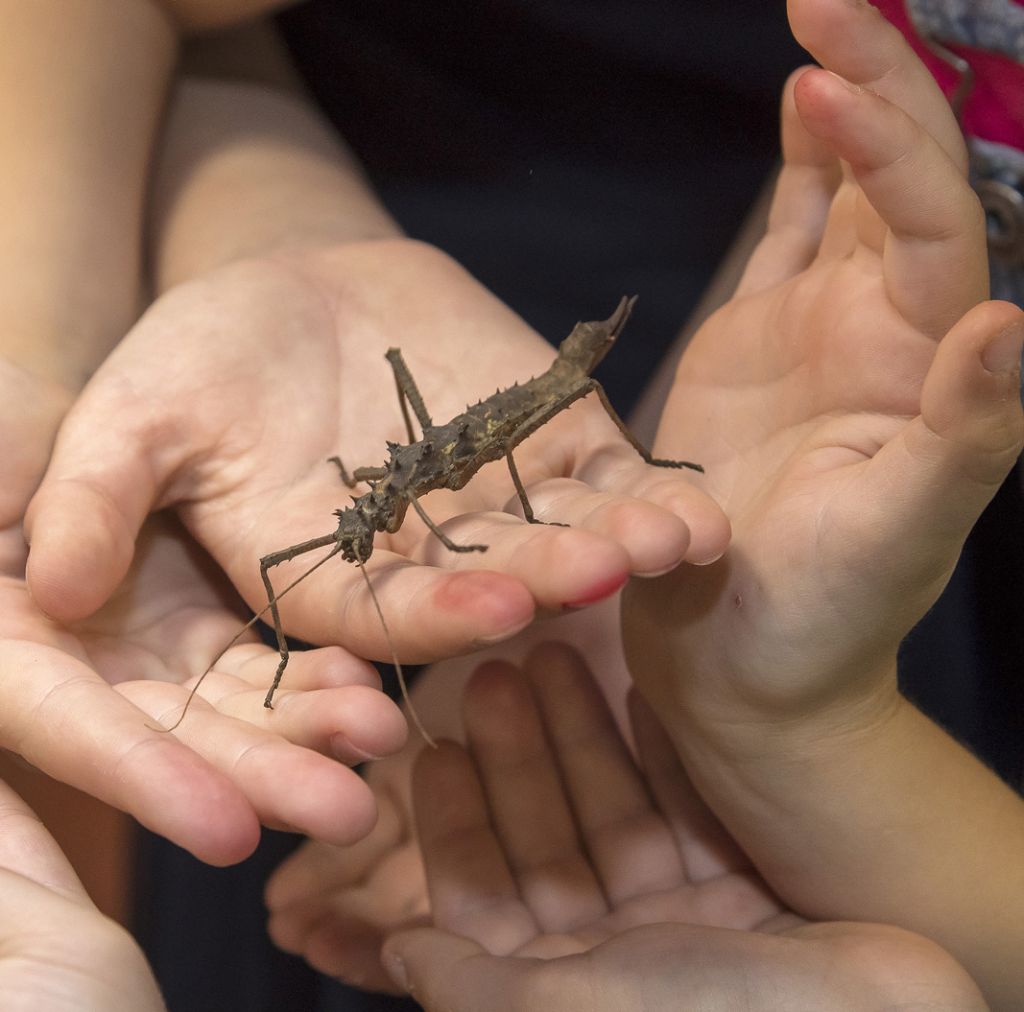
x=231, y=393
x=855, y=407
x=333, y=905
x=562, y=877
x=76, y=698
x=57, y=951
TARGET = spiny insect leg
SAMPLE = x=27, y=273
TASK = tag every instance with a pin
x=440, y=535
x=631, y=439
x=408, y=391
x=267, y=563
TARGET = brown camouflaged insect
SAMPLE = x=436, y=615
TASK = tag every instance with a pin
x=448, y=456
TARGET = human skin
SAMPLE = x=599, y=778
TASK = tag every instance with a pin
x=561, y=875
x=857, y=436
x=58, y=953
x=295, y=317
x=84, y=89
x=793, y=387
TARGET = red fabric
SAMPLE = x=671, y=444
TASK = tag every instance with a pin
x=995, y=107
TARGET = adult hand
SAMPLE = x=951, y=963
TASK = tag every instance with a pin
x=856, y=407
x=278, y=364
x=561, y=876
x=81, y=701
x=58, y=953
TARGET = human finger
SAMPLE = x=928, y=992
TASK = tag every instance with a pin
x=353, y=724
x=561, y=567
x=425, y=613
x=317, y=868
x=856, y=41
x=616, y=469
x=933, y=258
x=289, y=787
x=472, y=891
x=628, y=842
x=947, y=463
x=654, y=538
x=532, y=819
x=320, y=668
x=101, y=484
x=442, y=970
x=339, y=931
x=804, y=190
x=67, y=721
x=59, y=954
x=705, y=846
x=27, y=848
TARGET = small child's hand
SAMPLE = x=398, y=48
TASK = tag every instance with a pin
x=563, y=876
x=855, y=405
x=57, y=951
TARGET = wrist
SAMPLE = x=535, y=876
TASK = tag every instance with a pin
x=247, y=171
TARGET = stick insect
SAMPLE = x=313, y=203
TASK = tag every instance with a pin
x=448, y=456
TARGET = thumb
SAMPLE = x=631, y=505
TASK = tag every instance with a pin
x=971, y=428
x=104, y=477
x=445, y=971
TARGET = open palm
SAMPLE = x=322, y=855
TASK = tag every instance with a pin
x=279, y=364
x=81, y=700
x=842, y=399
x=560, y=874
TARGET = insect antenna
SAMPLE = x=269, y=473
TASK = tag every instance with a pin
x=241, y=632
x=394, y=658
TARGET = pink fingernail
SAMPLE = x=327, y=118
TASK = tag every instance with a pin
x=1002, y=353
x=603, y=591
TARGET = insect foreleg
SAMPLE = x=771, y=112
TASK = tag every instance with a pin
x=408, y=391
x=440, y=535
x=631, y=439
x=267, y=563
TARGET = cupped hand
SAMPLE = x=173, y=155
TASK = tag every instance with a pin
x=58, y=953
x=233, y=390
x=334, y=906
x=562, y=876
x=83, y=701
x=856, y=402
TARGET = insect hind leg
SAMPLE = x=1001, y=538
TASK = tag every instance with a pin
x=631, y=439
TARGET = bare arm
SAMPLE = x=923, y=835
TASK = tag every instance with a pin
x=82, y=87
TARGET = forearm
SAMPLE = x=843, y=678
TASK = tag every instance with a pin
x=82, y=87
x=882, y=818
x=246, y=170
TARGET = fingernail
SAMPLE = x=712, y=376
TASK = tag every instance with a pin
x=709, y=561
x=1002, y=353
x=505, y=634
x=599, y=593
x=848, y=85
x=343, y=749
